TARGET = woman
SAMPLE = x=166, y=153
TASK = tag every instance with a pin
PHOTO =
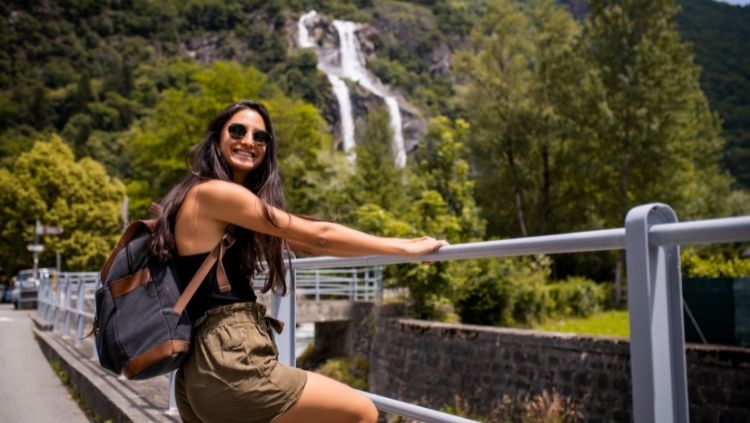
x=232, y=372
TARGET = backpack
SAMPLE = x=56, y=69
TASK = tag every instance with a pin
x=141, y=327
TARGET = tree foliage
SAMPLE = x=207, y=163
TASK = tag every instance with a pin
x=719, y=34
x=538, y=122
x=651, y=110
x=517, y=82
x=49, y=185
x=162, y=142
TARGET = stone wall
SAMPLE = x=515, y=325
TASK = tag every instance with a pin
x=346, y=333
x=488, y=368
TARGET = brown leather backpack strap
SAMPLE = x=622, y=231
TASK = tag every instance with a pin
x=221, y=277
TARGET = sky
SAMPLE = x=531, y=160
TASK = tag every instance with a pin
x=737, y=2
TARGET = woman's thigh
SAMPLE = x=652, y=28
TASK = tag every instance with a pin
x=326, y=400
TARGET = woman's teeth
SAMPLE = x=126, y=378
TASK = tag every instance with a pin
x=245, y=154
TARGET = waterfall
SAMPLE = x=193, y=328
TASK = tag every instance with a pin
x=303, y=35
x=341, y=91
x=351, y=66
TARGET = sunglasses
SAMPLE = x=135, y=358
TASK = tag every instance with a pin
x=238, y=131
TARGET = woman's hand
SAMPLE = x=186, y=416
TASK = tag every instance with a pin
x=423, y=245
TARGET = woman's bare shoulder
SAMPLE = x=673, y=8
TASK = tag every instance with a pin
x=217, y=191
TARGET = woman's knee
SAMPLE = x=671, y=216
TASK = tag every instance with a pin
x=326, y=400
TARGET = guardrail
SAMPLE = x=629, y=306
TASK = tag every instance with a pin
x=651, y=239
x=67, y=299
x=353, y=283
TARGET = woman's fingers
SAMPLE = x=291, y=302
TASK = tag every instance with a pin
x=426, y=245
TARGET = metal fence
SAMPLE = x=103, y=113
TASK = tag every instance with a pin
x=67, y=300
x=651, y=239
x=353, y=283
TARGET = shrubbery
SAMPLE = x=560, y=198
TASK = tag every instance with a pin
x=718, y=265
x=509, y=301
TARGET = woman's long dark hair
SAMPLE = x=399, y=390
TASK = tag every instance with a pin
x=264, y=181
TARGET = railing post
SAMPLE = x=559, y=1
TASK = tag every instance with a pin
x=172, y=406
x=55, y=304
x=283, y=308
x=367, y=284
x=317, y=284
x=41, y=298
x=68, y=308
x=94, y=351
x=57, y=319
x=355, y=282
x=657, y=344
x=379, y=284
x=79, y=312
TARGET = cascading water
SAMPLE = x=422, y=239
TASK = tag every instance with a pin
x=351, y=66
x=303, y=35
x=340, y=90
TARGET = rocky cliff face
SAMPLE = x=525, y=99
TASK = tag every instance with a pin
x=366, y=93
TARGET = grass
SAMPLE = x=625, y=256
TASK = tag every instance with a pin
x=65, y=379
x=609, y=323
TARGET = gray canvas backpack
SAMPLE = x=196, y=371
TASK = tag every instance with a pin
x=141, y=328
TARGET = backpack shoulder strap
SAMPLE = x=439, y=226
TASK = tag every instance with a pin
x=214, y=256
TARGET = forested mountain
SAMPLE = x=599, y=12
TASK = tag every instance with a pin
x=532, y=119
x=720, y=34
x=51, y=49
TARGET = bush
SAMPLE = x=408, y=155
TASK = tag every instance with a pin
x=524, y=298
x=352, y=371
x=503, y=292
x=576, y=296
x=717, y=265
x=486, y=301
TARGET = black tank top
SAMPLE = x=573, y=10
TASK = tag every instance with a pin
x=208, y=296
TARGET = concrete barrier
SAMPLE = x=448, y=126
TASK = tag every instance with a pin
x=108, y=396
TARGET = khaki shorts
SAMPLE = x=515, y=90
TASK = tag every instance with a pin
x=232, y=373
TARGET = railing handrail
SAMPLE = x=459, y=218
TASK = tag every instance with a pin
x=648, y=228
x=732, y=229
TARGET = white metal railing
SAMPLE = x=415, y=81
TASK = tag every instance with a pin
x=353, y=283
x=651, y=238
x=67, y=299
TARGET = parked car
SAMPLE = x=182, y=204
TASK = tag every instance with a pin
x=26, y=287
x=5, y=293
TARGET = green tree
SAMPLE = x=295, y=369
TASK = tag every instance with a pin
x=656, y=136
x=48, y=184
x=376, y=179
x=440, y=168
x=162, y=141
x=515, y=88
x=653, y=133
x=438, y=201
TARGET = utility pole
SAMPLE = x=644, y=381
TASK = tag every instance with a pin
x=36, y=249
x=37, y=246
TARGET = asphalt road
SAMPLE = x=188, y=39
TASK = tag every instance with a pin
x=29, y=389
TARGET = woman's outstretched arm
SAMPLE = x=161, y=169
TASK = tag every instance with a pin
x=232, y=203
